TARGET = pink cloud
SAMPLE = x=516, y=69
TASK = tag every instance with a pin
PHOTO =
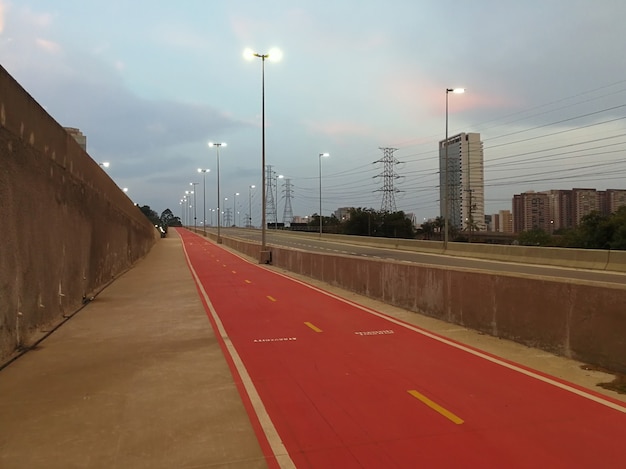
x=48, y=46
x=3, y=9
x=339, y=128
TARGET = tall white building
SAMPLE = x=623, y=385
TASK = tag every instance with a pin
x=463, y=179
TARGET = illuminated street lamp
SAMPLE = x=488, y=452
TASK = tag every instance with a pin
x=104, y=164
x=204, y=171
x=446, y=193
x=322, y=155
x=217, y=146
x=273, y=55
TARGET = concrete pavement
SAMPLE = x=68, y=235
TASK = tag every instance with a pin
x=134, y=380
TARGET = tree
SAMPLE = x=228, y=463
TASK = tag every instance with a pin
x=362, y=222
x=397, y=225
x=168, y=219
x=151, y=214
x=535, y=237
x=427, y=229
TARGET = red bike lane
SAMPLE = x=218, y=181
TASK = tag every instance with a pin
x=331, y=384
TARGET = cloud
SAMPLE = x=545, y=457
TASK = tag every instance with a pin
x=3, y=9
x=338, y=128
x=48, y=46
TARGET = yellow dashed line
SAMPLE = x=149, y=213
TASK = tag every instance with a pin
x=234, y=271
x=247, y=281
x=270, y=298
x=316, y=329
x=436, y=407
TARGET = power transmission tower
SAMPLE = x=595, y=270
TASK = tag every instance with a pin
x=270, y=204
x=388, y=175
x=288, y=212
x=227, y=221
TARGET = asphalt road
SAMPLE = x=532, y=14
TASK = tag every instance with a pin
x=308, y=243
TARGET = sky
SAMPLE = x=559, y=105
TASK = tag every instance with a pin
x=150, y=83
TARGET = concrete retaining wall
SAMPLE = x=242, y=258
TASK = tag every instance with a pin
x=581, y=320
x=67, y=228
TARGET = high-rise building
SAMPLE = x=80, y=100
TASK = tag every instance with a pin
x=531, y=210
x=461, y=181
x=585, y=201
x=611, y=200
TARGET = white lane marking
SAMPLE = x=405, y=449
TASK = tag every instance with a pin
x=276, y=444
x=497, y=361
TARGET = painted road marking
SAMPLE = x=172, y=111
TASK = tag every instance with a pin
x=234, y=271
x=247, y=281
x=385, y=332
x=436, y=407
x=271, y=298
x=277, y=339
x=316, y=329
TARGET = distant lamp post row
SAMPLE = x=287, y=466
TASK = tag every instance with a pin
x=272, y=55
x=219, y=212
x=195, y=223
x=446, y=182
x=204, y=171
x=250, y=205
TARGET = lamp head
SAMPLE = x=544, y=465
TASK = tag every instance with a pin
x=275, y=55
x=249, y=54
x=324, y=155
x=455, y=90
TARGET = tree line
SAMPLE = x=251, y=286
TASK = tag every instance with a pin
x=595, y=231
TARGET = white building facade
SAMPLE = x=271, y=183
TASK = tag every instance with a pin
x=462, y=181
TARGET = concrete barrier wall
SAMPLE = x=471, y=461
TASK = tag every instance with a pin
x=67, y=228
x=585, y=321
x=597, y=259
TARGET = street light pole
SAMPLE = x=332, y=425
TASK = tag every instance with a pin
x=203, y=171
x=322, y=155
x=446, y=195
x=250, y=205
x=235, y=208
x=195, y=223
x=274, y=54
x=188, y=199
x=217, y=147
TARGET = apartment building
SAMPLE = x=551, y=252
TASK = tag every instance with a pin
x=461, y=181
